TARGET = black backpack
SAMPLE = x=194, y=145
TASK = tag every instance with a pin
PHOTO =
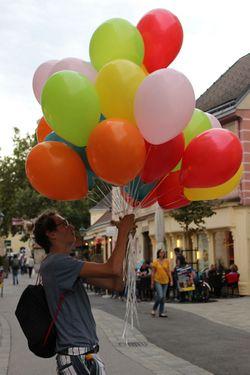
x=35, y=320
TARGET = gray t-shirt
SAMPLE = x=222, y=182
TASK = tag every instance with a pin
x=75, y=323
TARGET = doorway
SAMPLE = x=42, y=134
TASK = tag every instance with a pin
x=147, y=247
x=224, y=248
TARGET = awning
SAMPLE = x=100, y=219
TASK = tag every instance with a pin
x=89, y=237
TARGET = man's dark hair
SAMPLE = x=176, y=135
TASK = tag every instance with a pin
x=177, y=250
x=45, y=222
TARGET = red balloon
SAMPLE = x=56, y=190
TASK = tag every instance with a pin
x=170, y=192
x=211, y=158
x=161, y=159
x=163, y=35
x=56, y=171
x=43, y=129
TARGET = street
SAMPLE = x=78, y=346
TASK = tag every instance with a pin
x=220, y=349
x=211, y=338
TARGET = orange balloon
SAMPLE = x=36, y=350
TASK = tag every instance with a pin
x=43, y=129
x=56, y=171
x=116, y=151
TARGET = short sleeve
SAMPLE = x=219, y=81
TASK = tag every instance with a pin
x=155, y=263
x=67, y=271
x=167, y=264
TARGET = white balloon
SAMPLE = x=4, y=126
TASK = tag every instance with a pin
x=164, y=104
x=40, y=77
x=214, y=121
x=77, y=65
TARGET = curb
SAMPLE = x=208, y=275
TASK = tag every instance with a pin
x=4, y=345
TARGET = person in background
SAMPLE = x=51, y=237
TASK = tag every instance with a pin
x=62, y=275
x=179, y=257
x=144, y=288
x=160, y=279
x=180, y=264
x=179, y=260
x=23, y=260
x=215, y=280
x=15, y=265
x=30, y=263
x=232, y=278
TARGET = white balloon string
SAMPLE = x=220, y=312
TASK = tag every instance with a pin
x=131, y=314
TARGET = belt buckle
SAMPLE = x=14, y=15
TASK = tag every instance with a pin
x=95, y=349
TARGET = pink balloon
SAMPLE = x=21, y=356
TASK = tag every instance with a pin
x=40, y=77
x=77, y=65
x=164, y=104
x=213, y=120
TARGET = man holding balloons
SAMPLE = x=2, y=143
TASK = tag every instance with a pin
x=62, y=277
x=130, y=120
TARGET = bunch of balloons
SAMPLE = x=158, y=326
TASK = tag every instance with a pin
x=129, y=119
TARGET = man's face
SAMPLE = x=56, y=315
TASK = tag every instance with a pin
x=64, y=230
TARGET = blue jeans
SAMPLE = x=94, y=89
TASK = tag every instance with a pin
x=15, y=277
x=161, y=290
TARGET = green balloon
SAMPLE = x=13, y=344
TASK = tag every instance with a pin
x=71, y=106
x=197, y=125
x=177, y=167
x=116, y=39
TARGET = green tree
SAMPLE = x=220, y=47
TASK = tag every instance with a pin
x=191, y=218
x=19, y=200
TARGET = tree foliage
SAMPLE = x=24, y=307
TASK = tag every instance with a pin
x=19, y=200
x=191, y=217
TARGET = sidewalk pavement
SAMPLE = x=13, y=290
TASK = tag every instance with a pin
x=138, y=356
x=231, y=312
x=5, y=345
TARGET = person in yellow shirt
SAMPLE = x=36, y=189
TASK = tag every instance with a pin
x=160, y=279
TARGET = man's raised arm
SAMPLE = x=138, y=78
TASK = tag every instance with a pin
x=109, y=275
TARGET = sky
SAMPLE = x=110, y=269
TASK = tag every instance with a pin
x=216, y=35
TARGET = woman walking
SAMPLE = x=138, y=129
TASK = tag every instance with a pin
x=160, y=278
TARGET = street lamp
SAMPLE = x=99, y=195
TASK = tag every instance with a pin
x=1, y=218
x=1, y=222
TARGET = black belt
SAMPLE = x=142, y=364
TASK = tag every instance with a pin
x=81, y=350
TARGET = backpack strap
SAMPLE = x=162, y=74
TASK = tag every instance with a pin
x=59, y=306
x=38, y=279
x=39, y=276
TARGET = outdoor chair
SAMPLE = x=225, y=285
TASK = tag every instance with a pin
x=232, y=284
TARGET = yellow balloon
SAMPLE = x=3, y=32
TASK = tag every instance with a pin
x=116, y=85
x=206, y=194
